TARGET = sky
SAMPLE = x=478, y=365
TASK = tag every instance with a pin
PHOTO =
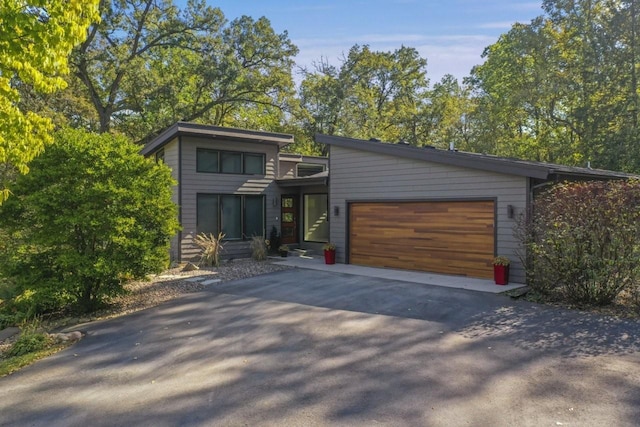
x=450, y=34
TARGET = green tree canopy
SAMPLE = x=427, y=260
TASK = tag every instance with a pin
x=371, y=95
x=564, y=88
x=148, y=64
x=35, y=41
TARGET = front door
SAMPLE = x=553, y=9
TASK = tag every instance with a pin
x=289, y=219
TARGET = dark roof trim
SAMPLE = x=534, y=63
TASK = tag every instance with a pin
x=207, y=131
x=503, y=165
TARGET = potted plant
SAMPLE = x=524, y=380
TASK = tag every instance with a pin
x=329, y=253
x=501, y=270
x=283, y=250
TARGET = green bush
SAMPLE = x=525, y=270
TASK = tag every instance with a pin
x=29, y=342
x=91, y=212
x=274, y=240
x=582, y=240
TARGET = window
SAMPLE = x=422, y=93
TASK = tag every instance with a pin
x=307, y=169
x=160, y=155
x=231, y=217
x=316, y=219
x=213, y=161
x=207, y=214
x=253, y=216
x=254, y=164
x=206, y=160
x=231, y=162
x=237, y=216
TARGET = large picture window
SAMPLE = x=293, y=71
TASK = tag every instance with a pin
x=316, y=219
x=237, y=216
x=214, y=161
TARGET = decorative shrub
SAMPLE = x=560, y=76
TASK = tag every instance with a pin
x=583, y=240
x=501, y=260
x=211, y=247
x=258, y=248
x=29, y=342
x=329, y=247
x=274, y=239
x=91, y=212
x=31, y=339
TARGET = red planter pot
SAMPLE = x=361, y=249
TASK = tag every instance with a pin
x=329, y=257
x=501, y=274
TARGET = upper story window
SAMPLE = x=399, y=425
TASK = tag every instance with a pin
x=307, y=169
x=215, y=161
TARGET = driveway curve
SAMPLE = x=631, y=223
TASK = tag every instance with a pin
x=303, y=347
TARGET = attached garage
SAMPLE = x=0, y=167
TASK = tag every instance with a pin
x=426, y=209
x=449, y=237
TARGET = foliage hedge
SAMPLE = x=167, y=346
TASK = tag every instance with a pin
x=91, y=213
x=582, y=240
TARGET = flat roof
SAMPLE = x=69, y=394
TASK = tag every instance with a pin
x=208, y=131
x=487, y=162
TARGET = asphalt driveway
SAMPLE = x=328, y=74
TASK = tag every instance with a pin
x=304, y=348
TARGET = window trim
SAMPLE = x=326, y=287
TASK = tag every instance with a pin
x=243, y=219
x=242, y=161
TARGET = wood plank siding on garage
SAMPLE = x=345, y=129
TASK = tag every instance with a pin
x=449, y=237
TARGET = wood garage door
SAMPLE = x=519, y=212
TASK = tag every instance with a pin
x=440, y=237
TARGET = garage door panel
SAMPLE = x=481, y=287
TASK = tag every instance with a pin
x=442, y=237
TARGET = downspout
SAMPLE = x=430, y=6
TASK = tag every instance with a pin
x=180, y=197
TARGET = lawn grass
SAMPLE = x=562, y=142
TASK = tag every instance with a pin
x=11, y=364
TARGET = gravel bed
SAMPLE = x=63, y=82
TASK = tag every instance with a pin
x=173, y=283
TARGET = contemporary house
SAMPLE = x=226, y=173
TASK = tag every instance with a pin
x=238, y=182
x=382, y=204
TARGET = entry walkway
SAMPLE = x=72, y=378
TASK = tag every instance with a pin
x=448, y=281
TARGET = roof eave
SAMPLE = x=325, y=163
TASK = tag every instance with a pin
x=207, y=131
x=438, y=156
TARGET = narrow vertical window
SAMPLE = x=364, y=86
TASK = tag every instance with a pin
x=231, y=216
x=253, y=216
x=316, y=218
x=207, y=214
x=160, y=155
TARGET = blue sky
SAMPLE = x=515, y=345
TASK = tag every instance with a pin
x=450, y=34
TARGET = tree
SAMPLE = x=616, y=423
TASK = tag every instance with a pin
x=564, y=88
x=445, y=117
x=35, y=41
x=91, y=214
x=148, y=64
x=371, y=95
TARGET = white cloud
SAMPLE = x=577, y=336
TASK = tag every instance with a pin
x=450, y=54
x=505, y=25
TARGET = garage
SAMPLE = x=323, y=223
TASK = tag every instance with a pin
x=448, y=237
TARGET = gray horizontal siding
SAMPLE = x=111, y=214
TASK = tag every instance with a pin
x=171, y=159
x=194, y=182
x=359, y=175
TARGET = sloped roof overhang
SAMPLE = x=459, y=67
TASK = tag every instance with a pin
x=503, y=165
x=207, y=131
